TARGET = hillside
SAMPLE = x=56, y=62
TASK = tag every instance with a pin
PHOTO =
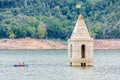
x=56, y=18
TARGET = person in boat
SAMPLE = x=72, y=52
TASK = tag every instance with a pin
x=21, y=64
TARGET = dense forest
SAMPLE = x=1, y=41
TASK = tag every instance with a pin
x=56, y=18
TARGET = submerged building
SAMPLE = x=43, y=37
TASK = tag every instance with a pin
x=80, y=45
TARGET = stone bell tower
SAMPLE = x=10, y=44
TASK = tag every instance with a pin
x=80, y=45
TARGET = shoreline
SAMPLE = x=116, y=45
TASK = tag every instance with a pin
x=28, y=43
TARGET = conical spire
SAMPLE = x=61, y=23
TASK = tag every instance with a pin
x=80, y=31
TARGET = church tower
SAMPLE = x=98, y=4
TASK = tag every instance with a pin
x=80, y=45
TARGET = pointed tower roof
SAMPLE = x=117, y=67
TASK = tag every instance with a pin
x=80, y=31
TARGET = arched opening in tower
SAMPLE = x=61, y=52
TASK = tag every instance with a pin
x=83, y=51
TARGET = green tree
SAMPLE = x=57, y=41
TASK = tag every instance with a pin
x=41, y=30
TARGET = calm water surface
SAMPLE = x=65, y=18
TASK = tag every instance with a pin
x=52, y=65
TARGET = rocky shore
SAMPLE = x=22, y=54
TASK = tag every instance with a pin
x=51, y=44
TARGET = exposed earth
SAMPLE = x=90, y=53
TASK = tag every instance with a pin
x=107, y=44
x=30, y=44
x=51, y=44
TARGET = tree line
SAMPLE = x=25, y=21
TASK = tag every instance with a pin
x=57, y=18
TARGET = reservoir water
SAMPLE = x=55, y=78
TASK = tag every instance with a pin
x=52, y=65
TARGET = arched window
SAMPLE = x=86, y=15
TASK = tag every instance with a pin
x=83, y=51
x=71, y=51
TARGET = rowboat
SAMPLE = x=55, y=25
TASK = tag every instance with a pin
x=17, y=65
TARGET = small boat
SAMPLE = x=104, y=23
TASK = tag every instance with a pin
x=17, y=65
x=20, y=65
